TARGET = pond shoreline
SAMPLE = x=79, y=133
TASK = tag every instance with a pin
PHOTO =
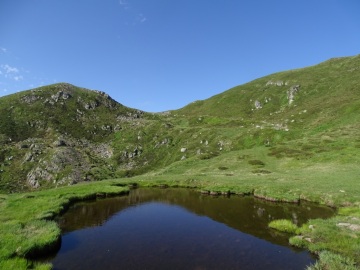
x=106, y=188
x=246, y=217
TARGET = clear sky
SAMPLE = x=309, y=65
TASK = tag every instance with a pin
x=157, y=55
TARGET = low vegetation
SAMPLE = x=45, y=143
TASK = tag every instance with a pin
x=286, y=137
x=283, y=225
x=27, y=229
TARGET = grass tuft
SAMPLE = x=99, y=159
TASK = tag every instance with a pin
x=330, y=261
x=283, y=225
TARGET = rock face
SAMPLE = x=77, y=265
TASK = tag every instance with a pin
x=47, y=170
x=291, y=93
x=258, y=104
x=62, y=134
x=30, y=98
x=63, y=161
x=59, y=95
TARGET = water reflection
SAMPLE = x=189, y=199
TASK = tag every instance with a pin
x=246, y=214
x=180, y=229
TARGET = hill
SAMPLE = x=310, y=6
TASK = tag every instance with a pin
x=289, y=136
x=55, y=135
x=62, y=134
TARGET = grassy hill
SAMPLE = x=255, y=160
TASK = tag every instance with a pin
x=289, y=136
x=57, y=134
x=62, y=134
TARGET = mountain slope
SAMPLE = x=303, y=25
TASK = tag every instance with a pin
x=329, y=90
x=55, y=134
x=61, y=134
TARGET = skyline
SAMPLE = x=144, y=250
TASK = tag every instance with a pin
x=160, y=55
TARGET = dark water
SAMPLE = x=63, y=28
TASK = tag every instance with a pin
x=180, y=229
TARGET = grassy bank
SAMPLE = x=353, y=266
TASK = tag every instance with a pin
x=27, y=228
x=327, y=177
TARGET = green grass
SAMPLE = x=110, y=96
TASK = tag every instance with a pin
x=27, y=214
x=331, y=261
x=283, y=225
x=316, y=179
x=308, y=150
x=329, y=235
x=323, y=118
x=20, y=263
x=26, y=226
x=328, y=177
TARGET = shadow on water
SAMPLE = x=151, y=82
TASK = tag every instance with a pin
x=181, y=229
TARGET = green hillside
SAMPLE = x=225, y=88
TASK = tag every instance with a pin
x=57, y=134
x=62, y=134
x=330, y=88
x=289, y=136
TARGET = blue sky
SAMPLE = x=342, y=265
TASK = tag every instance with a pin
x=157, y=55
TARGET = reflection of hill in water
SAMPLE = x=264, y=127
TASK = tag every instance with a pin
x=246, y=214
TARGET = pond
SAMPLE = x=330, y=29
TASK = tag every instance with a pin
x=180, y=229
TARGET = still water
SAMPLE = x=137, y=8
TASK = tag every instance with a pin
x=180, y=229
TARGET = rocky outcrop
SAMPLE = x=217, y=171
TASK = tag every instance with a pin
x=258, y=104
x=130, y=116
x=59, y=142
x=291, y=93
x=137, y=152
x=104, y=150
x=91, y=105
x=54, y=169
x=276, y=83
x=165, y=141
x=60, y=95
x=30, y=98
x=35, y=150
x=65, y=161
x=107, y=100
x=36, y=175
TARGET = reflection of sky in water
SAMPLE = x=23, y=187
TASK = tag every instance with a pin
x=164, y=229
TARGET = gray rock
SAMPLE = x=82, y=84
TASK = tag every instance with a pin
x=258, y=104
x=66, y=95
x=28, y=157
x=354, y=227
x=276, y=83
x=106, y=127
x=37, y=174
x=59, y=142
x=183, y=150
x=291, y=93
x=30, y=99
